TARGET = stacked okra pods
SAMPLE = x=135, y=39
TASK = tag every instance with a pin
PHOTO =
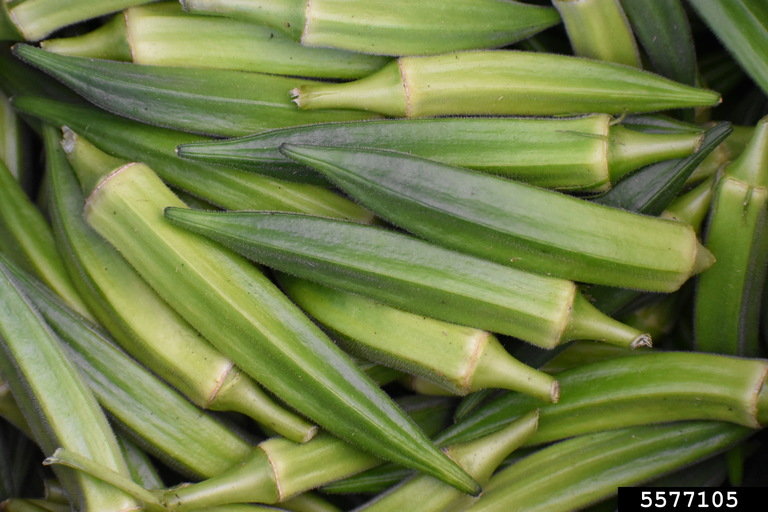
x=380, y=255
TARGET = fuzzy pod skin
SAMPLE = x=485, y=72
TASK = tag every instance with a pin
x=207, y=101
x=561, y=477
x=513, y=223
x=411, y=274
x=586, y=153
x=222, y=186
x=161, y=34
x=504, y=82
x=639, y=389
x=480, y=458
x=275, y=343
x=459, y=359
x=142, y=323
x=391, y=27
x=55, y=401
x=728, y=295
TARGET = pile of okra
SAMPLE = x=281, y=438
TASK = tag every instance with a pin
x=381, y=255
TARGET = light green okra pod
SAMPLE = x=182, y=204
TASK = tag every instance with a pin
x=56, y=403
x=144, y=325
x=504, y=82
x=459, y=359
x=728, y=296
x=599, y=29
x=246, y=317
x=391, y=27
x=513, y=223
x=587, y=153
x=414, y=275
x=35, y=19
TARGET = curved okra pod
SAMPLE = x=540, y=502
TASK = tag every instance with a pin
x=599, y=29
x=199, y=100
x=480, y=458
x=562, y=477
x=142, y=323
x=504, y=82
x=532, y=229
x=586, y=153
x=411, y=274
x=625, y=391
x=391, y=27
x=728, y=296
x=157, y=416
x=224, y=187
x=162, y=34
x=57, y=405
x=459, y=359
x=245, y=316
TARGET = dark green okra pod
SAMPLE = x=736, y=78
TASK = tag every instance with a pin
x=414, y=275
x=513, y=223
x=273, y=341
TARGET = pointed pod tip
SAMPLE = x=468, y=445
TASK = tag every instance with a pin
x=644, y=340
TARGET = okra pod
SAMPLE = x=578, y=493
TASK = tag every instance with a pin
x=35, y=19
x=224, y=187
x=27, y=238
x=142, y=323
x=170, y=427
x=56, y=403
x=458, y=359
x=392, y=27
x=480, y=458
x=245, y=316
x=207, y=101
x=562, y=477
x=586, y=153
x=599, y=29
x=411, y=274
x=161, y=34
x=728, y=296
x=626, y=391
x=532, y=229
x=504, y=82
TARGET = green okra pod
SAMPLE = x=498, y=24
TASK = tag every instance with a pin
x=625, y=391
x=142, y=323
x=273, y=341
x=728, y=295
x=146, y=407
x=55, y=401
x=561, y=477
x=586, y=153
x=392, y=27
x=532, y=229
x=199, y=100
x=459, y=359
x=225, y=187
x=504, y=82
x=411, y=274
x=161, y=34
x=599, y=29
x=480, y=458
